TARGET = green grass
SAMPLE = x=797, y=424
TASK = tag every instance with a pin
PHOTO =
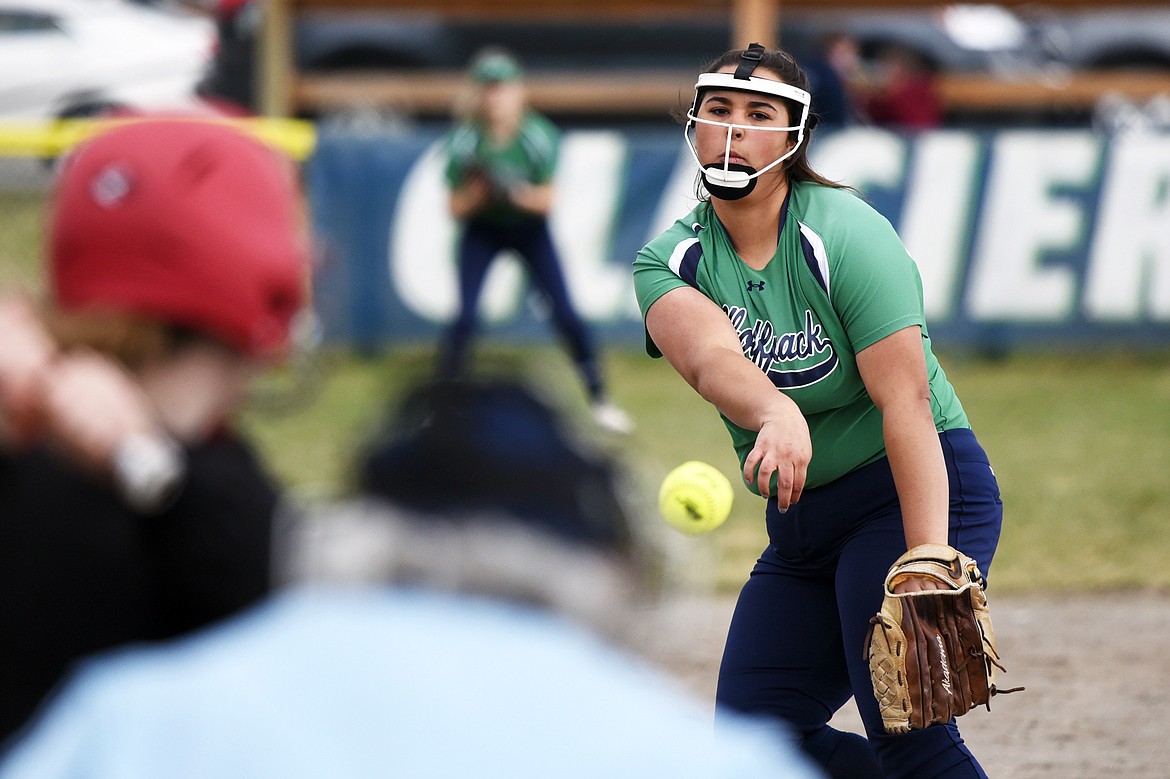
x=20, y=239
x=1081, y=447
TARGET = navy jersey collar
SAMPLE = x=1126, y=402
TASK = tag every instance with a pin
x=784, y=211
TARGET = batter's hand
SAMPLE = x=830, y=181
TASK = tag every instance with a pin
x=91, y=406
x=782, y=453
x=26, y=351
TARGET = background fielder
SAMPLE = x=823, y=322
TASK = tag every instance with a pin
x=502, y=159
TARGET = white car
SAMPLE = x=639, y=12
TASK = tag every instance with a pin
x=63, y=58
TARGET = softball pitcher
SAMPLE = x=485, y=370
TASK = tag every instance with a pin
x=840, y=414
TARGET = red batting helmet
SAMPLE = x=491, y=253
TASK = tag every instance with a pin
x=182, y=221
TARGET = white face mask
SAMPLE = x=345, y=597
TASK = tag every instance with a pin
x=731, y=181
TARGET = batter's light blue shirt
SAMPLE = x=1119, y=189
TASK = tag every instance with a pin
x=387, y=683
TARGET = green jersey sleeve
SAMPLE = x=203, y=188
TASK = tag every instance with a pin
x=658, y=269
x=541, y=141
x=876, y=289
x=460, y=146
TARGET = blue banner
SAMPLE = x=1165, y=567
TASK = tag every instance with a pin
x=1028, y=237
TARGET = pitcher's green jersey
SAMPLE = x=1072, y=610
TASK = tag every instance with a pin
x=840, y=281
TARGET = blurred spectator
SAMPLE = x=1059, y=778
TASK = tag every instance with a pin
x=902, y=93
x=458, y=648
x=132, y=511
x=833, y=68
x=502, y=161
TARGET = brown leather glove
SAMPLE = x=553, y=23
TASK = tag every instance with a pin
x=931, y=652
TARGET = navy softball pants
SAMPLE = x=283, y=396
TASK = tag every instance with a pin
x=480, y=245
x=795, y=648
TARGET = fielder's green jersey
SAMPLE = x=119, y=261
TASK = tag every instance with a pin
x=840, y=281
x=530, y=157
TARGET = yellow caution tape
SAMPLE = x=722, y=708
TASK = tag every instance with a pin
x=295, y=137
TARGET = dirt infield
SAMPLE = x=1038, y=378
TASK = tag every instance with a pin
x=1097, y=671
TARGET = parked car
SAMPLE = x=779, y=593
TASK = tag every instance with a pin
x=332, y=40
x=1090, y=38
x=982, y=39
x=61, y=58
x=345, y=40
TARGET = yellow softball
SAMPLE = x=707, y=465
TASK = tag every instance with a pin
x=695, y=498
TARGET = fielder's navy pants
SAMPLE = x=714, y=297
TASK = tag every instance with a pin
x=795, y=648
x=479, y=247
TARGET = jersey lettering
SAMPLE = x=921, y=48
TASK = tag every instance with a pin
x=769, y=351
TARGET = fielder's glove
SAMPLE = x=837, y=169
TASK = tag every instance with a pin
x=932, y=653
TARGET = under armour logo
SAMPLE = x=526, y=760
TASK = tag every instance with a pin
x=755, y=286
